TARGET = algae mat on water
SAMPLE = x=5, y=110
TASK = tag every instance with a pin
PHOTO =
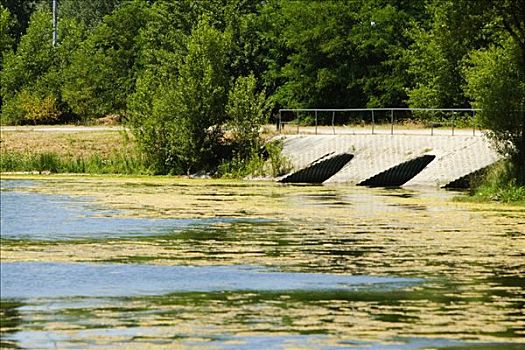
x=235, y=213
x=463, y=263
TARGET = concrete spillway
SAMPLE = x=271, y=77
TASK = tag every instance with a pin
x=320, y=170
x=443, y=159
x=399, y=174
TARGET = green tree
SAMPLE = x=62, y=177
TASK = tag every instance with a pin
x=274, y=49
x=455, y=28
x=496, y=81
x=90, y=13
x=496, y=85
x=320, y=69
x=103, y=70
x=33, y=56
x=246, y=114
x=246, y=54
x=163, y=40
x=162, y=46
x=511, y=15
x=6, y=41
x=338, y=53
x=184, y=130
x=32, y=75
x=169, y=70
x=21, y=10
x=382, y=37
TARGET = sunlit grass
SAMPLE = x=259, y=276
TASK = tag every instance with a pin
x=102, y=142
x=94, y=152
x=51, y=162
x=498, y=185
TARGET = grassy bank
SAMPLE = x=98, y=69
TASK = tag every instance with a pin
x=72, y=150
x=103, y=150
x=498, y=185
x=52, y=162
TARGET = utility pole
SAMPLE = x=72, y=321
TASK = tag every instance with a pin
x=55, y=22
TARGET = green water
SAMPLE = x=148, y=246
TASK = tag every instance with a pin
x=119, y=263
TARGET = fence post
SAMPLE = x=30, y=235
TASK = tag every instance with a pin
x=333, y=121
x=473, y=123
x=373, y=122
x=391, y=122
x=297, y=112
x=280, y=124
x=453, y=122
x=298, y=121
x=55, y=23
x=316, y=121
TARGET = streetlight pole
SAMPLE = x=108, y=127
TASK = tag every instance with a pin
x=55, y=22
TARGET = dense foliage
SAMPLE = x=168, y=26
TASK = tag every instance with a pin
x=188, y=75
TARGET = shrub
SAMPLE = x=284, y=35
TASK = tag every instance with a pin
x=183, y=131
x=32, y=76
x=279, y=165
x=245, y=111
x=499, y=184
x=116, y=163
x=36, y=109
x=496, y=82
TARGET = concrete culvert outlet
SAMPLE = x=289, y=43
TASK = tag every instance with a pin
x=320, y=170
x=399, y=174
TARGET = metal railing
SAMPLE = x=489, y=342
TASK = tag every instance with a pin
x=372, y=112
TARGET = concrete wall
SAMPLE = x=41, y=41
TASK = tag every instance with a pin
x=456, y=156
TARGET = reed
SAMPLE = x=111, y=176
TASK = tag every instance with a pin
x=500, y=184
x=52, y=162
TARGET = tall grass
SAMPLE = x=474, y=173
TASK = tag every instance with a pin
x=115, y=163
x=270, y=164
x=499, y=184
x=237, y=168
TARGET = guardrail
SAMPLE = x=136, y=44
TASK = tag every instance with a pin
x=373, y=114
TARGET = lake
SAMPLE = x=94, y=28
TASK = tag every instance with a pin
x=162, y=263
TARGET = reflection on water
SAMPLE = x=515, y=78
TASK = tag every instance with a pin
x=266, y=266
x=37, y=280
x=36, y=216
